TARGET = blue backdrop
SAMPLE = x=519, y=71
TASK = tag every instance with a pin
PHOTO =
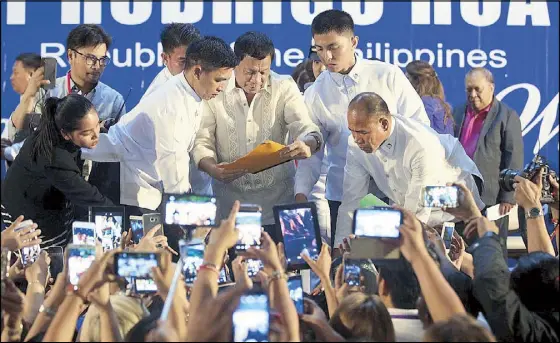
x=517, y=41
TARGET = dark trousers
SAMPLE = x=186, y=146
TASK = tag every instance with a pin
x=333, y=208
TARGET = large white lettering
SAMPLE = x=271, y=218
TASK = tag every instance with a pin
x=421, y=12
x=70, y=12
x=15, y=13
x=489, y=14
x=191, y=13
x=547, y=117
x=519, y=11
x=301, y=11
x=139, y=14
x=92, y=12
x=373, y=11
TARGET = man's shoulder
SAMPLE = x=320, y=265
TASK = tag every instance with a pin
x=107, y=91
x=503, y=107
x=378, y=68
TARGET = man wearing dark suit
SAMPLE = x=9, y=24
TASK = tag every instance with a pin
x=490, y=132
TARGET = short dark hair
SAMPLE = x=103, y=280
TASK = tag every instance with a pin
x=211, y=53
x=176, y=35
x=535, y=280
x=254, y=44
x=402, y=283
x=372, y=103
x=332, y=20
x=30, y=60
x=87, y=35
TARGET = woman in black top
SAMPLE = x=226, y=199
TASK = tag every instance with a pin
x=45, y=181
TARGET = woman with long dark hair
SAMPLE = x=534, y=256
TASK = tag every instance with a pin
x=427, y=84
x=44, y=183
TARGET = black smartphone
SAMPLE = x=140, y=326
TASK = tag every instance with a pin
x=248, y=223
x=149, y=221
x=50, y=64
x=190, y=210
x=295, y=286
x=192, y=255
x=299, y=225
x=377, y=222
x=441, y=196
x=137, y=227
x=352, y=272
x=56, y=254
x=251, y=318
x=109, y=223
x=135, y=264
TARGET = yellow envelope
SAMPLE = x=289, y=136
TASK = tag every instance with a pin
x=263, y=157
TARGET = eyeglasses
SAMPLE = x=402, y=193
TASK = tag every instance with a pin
x=92, y=60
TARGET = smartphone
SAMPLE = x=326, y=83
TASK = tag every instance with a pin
x=352, y=272
x=441, y=196
x=109, y=223
x=83, y=233
x=447, y=234
x=190, y=210
x=377, y=222
x=192, y=255
x=28, y=254
x=137, y=227
x=248, y=222
x=23, y=225
x=80, y=258
x=135, y=264
x=251, y=318
x=144, y=286
x=299, y=225
x=254, y=267
x=149, y=221
x=295, y=286
x=50, y=64
x=56, y=254
x=223, y=278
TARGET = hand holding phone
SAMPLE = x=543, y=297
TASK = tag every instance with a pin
x=377, y=222
x=80, y=258
x=49, y=73
x=352, y=272
x=295, y=287
x=447, y=235
x=441, y=196
x=248, y=223
x=251, y=319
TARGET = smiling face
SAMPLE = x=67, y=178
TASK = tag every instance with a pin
x=86, y=134
x=336, y=50
x=251, y=74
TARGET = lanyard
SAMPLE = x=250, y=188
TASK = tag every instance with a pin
x=68, y=83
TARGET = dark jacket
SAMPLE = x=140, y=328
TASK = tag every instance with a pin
x=45, y=191
x=500, y=146
x=508, y=318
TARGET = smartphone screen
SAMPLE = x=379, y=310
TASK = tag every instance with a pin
x=109, y=224
x=352, y=272
x=249, y=225
x=299, y=232
x=223, y=277
x=80, y=258
x=377, y=222
x=29, y=255
x=296, y=292
x=190, y=210
x=441, y=196
x=137, y=227
x=135, y=265
x=83, y=233
x=254, y=267
x=142, y=286
x=447, y=234
x=192, y=256
x=251, y=319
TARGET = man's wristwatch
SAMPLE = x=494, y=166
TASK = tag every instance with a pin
x=534, y=213
x=49, y=311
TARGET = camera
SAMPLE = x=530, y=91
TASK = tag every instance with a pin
x=507, y=177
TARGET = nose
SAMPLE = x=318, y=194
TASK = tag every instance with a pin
x=472, y=94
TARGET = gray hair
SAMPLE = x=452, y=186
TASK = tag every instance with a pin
x=371, y=103
x=487, y=74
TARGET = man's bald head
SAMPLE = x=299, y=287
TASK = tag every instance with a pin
x=369, y=104
x=368, y=121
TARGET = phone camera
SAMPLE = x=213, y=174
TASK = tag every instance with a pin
x=152, y=219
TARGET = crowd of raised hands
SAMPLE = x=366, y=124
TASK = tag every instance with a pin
x=460, y=295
